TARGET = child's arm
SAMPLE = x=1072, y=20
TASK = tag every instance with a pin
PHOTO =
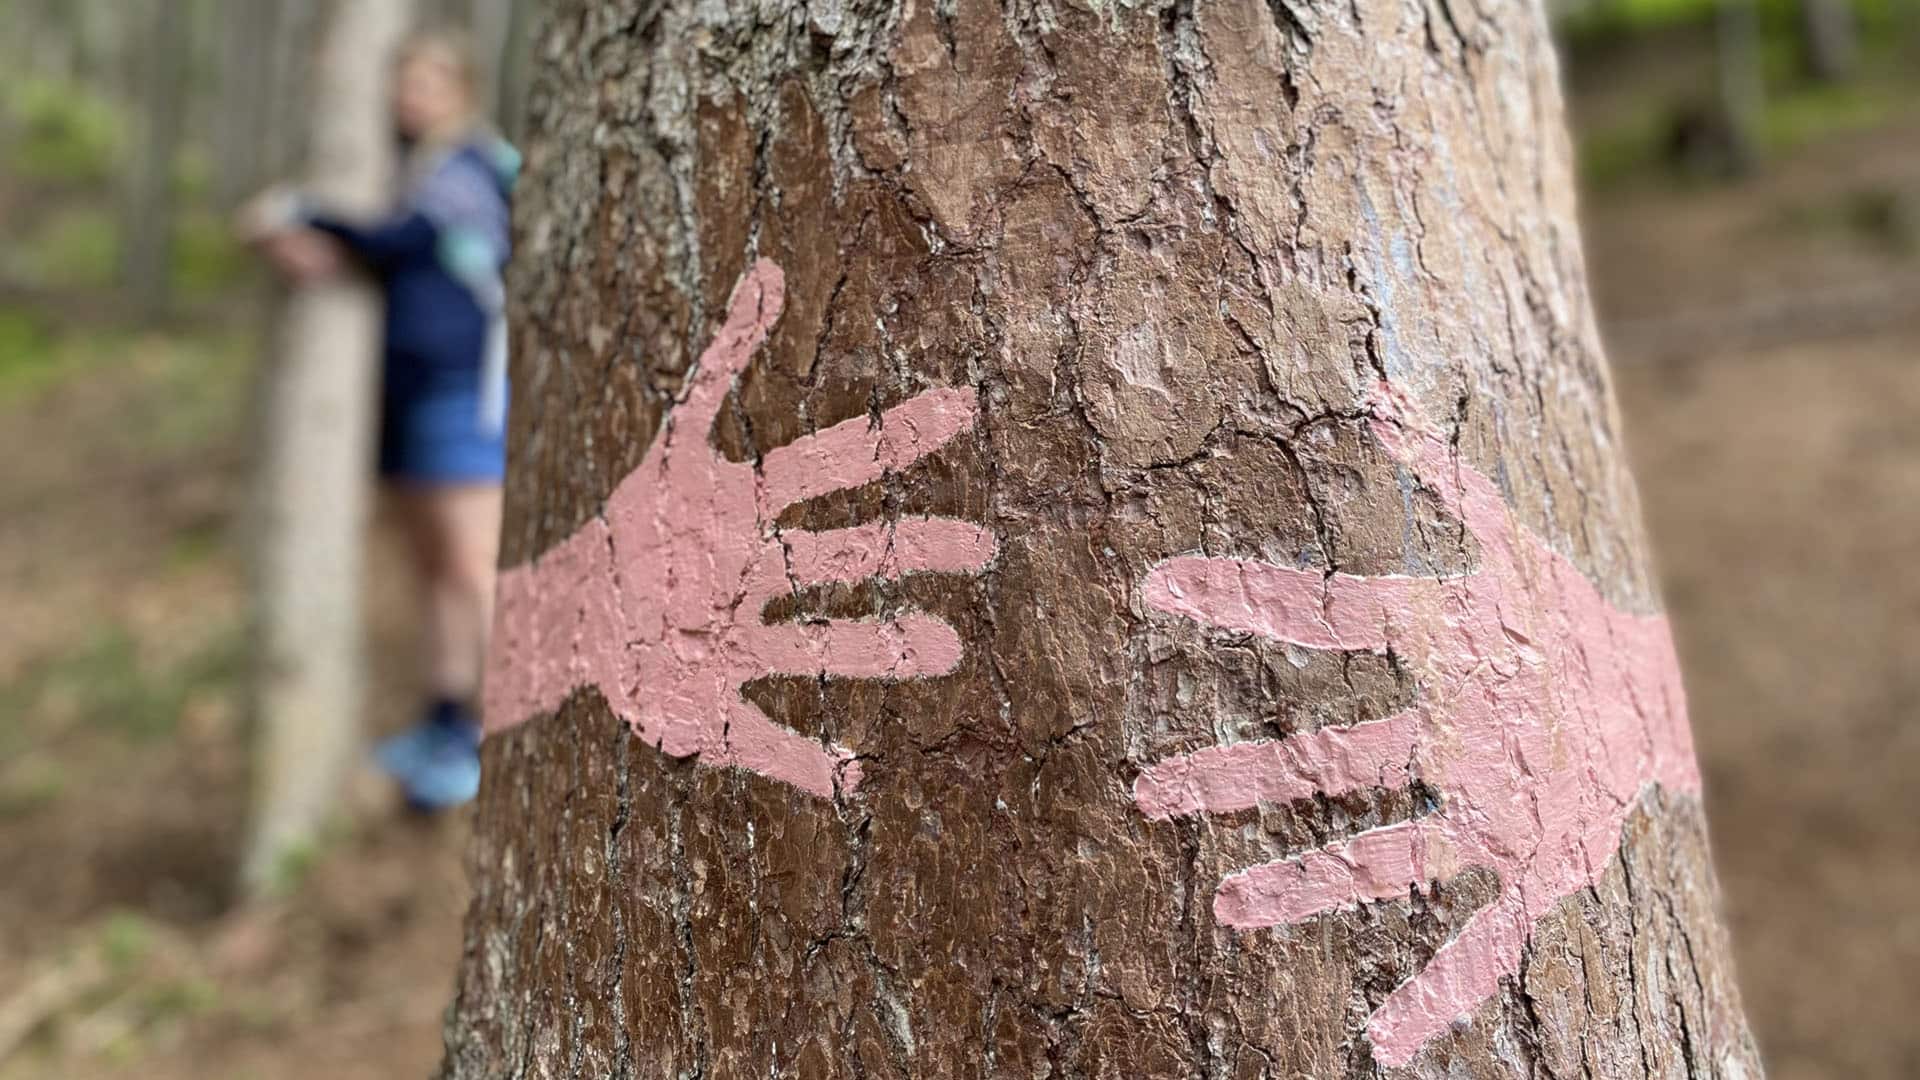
x=381, y=243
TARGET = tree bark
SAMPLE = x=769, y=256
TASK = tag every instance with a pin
x=1164, y=600
x=314, y=467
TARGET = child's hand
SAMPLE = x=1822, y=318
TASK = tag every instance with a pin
x=303, y=255
x=267, y=215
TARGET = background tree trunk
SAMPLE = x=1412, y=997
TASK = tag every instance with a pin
x=1742, y=82
x=515, y=66
x=147, y=250
x=249, y=32
x=1832, y=38
x=1121, y=285
x=315, y=463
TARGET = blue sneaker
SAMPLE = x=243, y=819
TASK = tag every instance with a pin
x=437, y=761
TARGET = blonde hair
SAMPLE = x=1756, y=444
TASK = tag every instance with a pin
x=456, y=48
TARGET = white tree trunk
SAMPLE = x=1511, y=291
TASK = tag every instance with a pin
x=314, y=466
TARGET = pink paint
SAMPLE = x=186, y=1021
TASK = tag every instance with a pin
x=1543, y=712
x=658, y=601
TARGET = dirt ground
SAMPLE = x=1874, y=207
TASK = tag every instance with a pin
x=1765, y=342
x=1766, y=346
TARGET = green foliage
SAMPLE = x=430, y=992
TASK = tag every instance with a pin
x=77, y=246
x=65, y=134
x=1603, y=21
x=1639, y=139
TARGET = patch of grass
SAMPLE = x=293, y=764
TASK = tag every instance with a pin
x=1633, y=146
x=207, y=260
x=74, y=246
x=192, y=384
x=35, y=353
x=1872, y=213
x=1801, y=115
x=30, y=787
x=292, y=868
x=107, y=685
x=203, y=383
x=125, y=939
x=23, y=346
x=185, y=996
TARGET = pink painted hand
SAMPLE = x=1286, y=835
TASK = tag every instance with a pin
x=658, y=602
x=1543, y=711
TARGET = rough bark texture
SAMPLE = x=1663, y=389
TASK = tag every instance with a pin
x=314, y=467
x=1172, y=248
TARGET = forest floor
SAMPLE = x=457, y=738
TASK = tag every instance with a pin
x=1765, y=339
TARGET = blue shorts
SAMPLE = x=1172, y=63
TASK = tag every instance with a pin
x=435, y=435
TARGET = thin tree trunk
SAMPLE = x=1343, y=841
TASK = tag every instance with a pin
x=1743, y=93
x=490, y=22
x=1830, y=37
x=515, y=63
x=314, y=467
x=249, y=30
x=290, y=89
x=1164, y=600
x=147, y=231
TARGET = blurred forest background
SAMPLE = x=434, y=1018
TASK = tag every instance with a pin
x=1752, y=173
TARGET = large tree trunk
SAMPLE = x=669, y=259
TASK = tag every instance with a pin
x=1164, y=600
x=315, y=464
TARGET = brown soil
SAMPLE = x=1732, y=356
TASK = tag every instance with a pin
x=1765, y=367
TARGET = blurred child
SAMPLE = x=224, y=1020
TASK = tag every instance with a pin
x=438, y=258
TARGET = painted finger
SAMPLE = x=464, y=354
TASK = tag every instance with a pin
x=858, y=451
x=1300, y=607
x=1380, y=864
x=1241, y=776
x=751, y=312
x=910, y=647
x=1464, y=973
x=888, y=549
x=752, y=741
